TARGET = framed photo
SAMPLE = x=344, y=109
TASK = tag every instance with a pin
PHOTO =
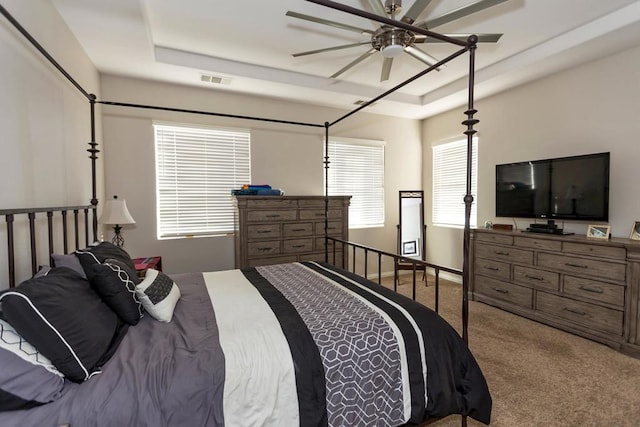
x=599, y=232
x=635, y=231
x=409, y=248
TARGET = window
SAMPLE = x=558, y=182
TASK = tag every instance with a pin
x=450, y=183
x=357, y=170
x=196, y=169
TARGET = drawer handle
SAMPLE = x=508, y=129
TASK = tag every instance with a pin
x=593, y=290
x=492, y=268
x=579, y=313
x=264, y=249
x=502, y=291
x=319, y=214
x=298, y=229
x=501, y=253
x=273, y=216
x=569, y=264
x=298, y=246
x=264, y=231
x=540, y=279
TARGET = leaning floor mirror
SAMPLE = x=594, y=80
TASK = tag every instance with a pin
x=411, y=229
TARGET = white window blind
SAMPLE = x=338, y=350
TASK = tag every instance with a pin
x=357, y=170
x=196, y=169
x=450, y=183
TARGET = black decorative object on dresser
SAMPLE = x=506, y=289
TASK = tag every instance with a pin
x=586, y=287
x=279, y=229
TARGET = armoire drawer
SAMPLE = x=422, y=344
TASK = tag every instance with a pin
x=297, y=245
x=258, y=249
x=273, y=215
x=297, y=229
x=263, y=231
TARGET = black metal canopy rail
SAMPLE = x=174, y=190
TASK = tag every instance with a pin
x=468, y=46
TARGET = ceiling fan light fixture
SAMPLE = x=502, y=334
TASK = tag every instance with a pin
x=392, y=50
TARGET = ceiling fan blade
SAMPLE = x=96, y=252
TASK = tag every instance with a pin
x=386, y=69
x=461, y=13
x=354, y=62
x=329, y=49
x=415, y=10
x=377, y=7
x=482, y=38
x=327, y=22
x=421, y=55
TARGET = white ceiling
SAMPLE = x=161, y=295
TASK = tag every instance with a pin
x=251, y=42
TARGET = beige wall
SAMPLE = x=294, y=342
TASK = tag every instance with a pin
x=285, y=156
x=589, y=109
x=45, y=122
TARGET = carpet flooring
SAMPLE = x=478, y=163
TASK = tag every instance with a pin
x=539, y=375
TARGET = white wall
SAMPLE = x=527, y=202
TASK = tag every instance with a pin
x=45, y=122
x=284, y=156
x=588, y=109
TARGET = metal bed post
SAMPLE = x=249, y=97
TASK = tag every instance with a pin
x=326, y=195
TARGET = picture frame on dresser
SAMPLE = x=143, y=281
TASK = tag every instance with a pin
x=635, y=231
x=600, y=232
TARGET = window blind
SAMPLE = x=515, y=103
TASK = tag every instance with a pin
x=196, y=169
x=357, y=170
x=450, y=183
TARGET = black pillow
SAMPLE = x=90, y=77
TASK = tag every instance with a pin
x=103, y=251
x=65, y=320
x=113, y=283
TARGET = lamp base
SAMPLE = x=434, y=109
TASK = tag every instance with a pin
x=117, y=240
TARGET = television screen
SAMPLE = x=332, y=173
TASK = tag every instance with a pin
x=562, y=188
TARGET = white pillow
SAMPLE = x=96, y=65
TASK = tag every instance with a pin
x=158, y=294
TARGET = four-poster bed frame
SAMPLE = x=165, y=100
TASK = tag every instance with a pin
x=88, y=214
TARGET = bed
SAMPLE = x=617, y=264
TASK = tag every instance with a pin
x=290, y=344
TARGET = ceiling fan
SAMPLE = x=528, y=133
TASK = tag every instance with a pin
x=392, y=41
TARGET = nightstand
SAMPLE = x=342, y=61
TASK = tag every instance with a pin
x=143, y=264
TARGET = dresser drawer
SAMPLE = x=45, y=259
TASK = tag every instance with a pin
x=334, y=228
x=586, y=314
x=499, y=270
x=307, y=214
x=298, y=229
x=273, y=215
x=595, y=290
x=318, y=202
x=297, y=245
x=594, y=250
x=319, y=244
x=263, y=231
x=538, y=279
x=518, y=295
x=583, y=266
x=495, y=238
x=505, y=253
x=533, y=243
x=258, y=249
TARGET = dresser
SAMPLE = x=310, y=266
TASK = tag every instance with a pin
x=280, y=229
x=586, y=287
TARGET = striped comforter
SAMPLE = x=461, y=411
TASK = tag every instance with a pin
x=299, y=344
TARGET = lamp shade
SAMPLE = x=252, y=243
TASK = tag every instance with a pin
x=115, y=212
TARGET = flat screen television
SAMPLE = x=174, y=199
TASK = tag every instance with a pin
x=566, y=188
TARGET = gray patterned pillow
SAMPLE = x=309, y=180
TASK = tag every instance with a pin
x=158, y=294
x=27, y=378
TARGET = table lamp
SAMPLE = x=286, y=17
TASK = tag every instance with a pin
x=116, y=213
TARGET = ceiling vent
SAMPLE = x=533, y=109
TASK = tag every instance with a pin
x=208, y=78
